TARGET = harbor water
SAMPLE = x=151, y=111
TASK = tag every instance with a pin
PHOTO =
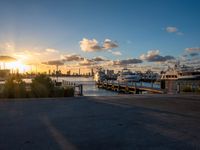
x=89, y=86
x=91, y=89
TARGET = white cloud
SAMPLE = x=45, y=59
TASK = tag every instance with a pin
x=117, y=53
x=153, y=56
x=171, y=29
x=51, y=50
x=108, y=44
x=90, y=45
x=174, y=30
x=149, y=54
x=87, y=45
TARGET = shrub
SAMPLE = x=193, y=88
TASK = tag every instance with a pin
x=68, y=91
x=14, y=88
x=42, y=86
x=63, y=92
x=58, y=92
x=187, y=89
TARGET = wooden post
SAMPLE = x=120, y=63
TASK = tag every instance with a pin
x=81, y=89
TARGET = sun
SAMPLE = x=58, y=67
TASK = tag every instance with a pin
x=18, y=67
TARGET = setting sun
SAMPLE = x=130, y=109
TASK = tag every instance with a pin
x=18, y=66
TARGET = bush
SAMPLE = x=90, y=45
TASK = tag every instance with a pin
x=42, y=86
x=198, y=90
x=63, y=92
x=58, y=92
x=68, y=91
x=187, y=89
x=14, y=88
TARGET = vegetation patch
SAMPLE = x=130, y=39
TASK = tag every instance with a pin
x=41, y=86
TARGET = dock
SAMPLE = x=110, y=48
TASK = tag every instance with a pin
x=133, y=87
x=78, y=88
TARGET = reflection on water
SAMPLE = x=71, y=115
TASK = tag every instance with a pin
x=89, y=87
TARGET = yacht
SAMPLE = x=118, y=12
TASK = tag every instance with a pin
x=181, y=73
x=127, y=76
x=100, y=75
x=150, y=76
x=170, y=74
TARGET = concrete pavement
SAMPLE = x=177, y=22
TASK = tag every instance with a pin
x=101, y=123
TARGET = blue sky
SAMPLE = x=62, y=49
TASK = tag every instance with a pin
x=136, y=26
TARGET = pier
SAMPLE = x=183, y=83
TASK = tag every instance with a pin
x=78, y=88
x=132, y=87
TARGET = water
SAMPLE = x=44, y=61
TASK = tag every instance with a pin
x=89, y=87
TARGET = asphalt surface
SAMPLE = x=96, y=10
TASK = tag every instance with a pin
x=133, y=122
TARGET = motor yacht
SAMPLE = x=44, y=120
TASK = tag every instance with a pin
x=127, y=76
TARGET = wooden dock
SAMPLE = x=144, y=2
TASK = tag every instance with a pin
x=134, y=88
x=78, y=88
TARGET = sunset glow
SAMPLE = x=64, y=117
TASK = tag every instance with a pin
x=18, y=67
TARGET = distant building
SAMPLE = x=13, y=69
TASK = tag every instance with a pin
x=68, y=72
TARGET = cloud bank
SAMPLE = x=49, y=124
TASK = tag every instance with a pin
x=154, y=56
x=54, y=62
x=127, y=62
x=98, y=59
x=73, y=57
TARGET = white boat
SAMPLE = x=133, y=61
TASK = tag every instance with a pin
x=189, y=75
x=181, y=73
x=100, y=75
x=170, y=74
x=150, y=76
x=127, y=76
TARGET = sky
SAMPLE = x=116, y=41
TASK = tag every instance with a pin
x=85, y=33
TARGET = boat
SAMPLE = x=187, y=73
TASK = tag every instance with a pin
x=170, y=74
x=181, y=73
x=189, y=75
x=100, y=75
x=127, y=76
x=150, y=76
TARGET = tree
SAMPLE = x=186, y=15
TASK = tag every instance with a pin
x=42, y=86
x=14, y=87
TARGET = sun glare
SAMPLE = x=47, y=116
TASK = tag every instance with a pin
x=18, y=67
